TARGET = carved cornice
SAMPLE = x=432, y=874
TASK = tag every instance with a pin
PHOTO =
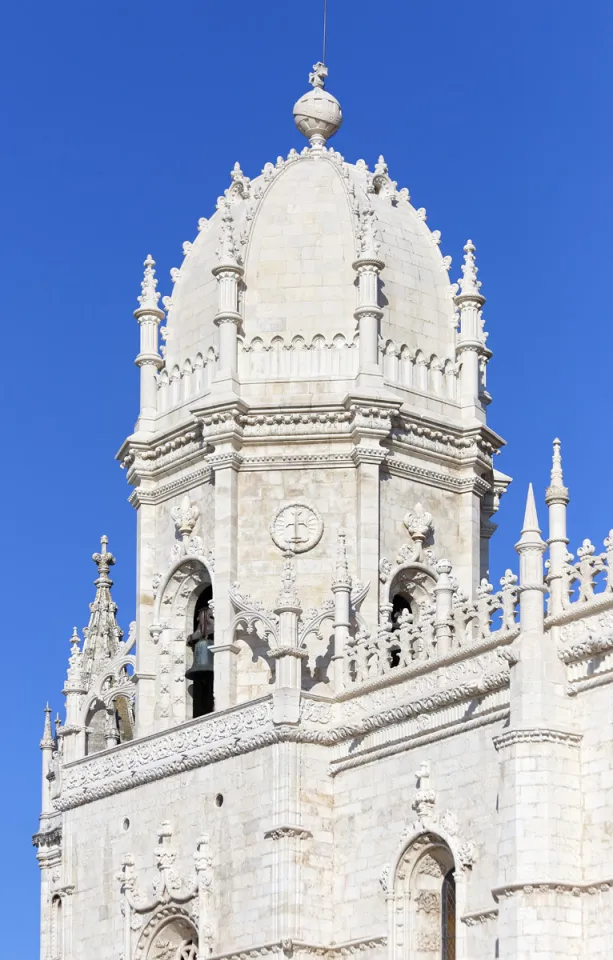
x=47, y=838
x=288, y=947
x=482, y=916
x=537, y=735
x=552, y=886
x=167, y=491
x=285, y=831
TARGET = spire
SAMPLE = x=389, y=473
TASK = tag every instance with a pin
x=103, y=635
x=149, y=297
x=47, y=742
x=531, y=523
x=318, y=114
x=469, y=285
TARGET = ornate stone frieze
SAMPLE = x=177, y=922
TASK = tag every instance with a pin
x=167, y=491
x=195, y=744
x=587, y=637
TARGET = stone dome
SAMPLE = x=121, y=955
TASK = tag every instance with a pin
x=297, y=229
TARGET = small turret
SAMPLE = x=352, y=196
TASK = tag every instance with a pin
x=557, y=500
x=531, y=548
x=471, y=350
x=149, y=316
x=47, y=746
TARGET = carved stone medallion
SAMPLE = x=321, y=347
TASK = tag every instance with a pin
x=297, y=528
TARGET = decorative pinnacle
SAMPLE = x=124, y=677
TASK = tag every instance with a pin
x=149, y=297
x=318, y=77
x=74, y=640
x=104, y=560
x=530, y=532
x=557, y=478
x=469, y=285
x=556, y=491
x=342, y=577
x=47, y=742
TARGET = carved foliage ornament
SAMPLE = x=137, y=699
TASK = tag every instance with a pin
x=297, y=528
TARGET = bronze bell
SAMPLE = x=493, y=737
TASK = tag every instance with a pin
x=203, y=658
x=200, y=642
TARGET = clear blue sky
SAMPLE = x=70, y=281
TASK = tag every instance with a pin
x=121, y=123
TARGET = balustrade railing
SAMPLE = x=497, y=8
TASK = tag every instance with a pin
x=435, y=631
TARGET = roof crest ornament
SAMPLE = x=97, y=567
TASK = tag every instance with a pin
x=318, y=77
x=318, y=114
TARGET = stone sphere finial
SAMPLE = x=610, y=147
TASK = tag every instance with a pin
x=318, y=114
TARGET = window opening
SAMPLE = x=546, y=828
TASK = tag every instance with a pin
x=448, y=916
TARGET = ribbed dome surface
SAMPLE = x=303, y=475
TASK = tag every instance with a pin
x=297, y=227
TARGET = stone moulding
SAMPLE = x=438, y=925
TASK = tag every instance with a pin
x=482, y=916
x=495, y=715
x=537, y=735
x=553, y=886
x=239, y=731
x=289, y=947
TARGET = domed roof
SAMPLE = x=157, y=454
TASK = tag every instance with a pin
x=298, y=228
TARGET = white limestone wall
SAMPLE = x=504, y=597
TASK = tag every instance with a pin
x=594, y=711
x=373, y=809
x=456, y=519
x=261, y=494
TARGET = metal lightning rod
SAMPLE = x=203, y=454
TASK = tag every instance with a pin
x=323, y=57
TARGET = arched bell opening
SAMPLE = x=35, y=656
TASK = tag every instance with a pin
x=401, y=616
x=96, y=724
x=200, y=672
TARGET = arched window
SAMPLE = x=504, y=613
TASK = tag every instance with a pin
x=424, y=902
x=200, y=641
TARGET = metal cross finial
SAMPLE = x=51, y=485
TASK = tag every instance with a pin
x=318, y=77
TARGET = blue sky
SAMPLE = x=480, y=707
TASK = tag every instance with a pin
x=121, y=123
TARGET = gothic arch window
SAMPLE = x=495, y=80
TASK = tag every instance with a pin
x=424, y=902
x=199, y=673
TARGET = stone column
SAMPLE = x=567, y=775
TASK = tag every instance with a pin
x=371, y=424
x=368, y=313
x=288, y=654
x=47, y=745
x=222, y=430
x=146, y=649
x=443, y=594
x=540, y=791
x=341, y=588
x=148, y=360
x=228, y=274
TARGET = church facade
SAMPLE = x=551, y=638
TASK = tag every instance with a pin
x=327, y=733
